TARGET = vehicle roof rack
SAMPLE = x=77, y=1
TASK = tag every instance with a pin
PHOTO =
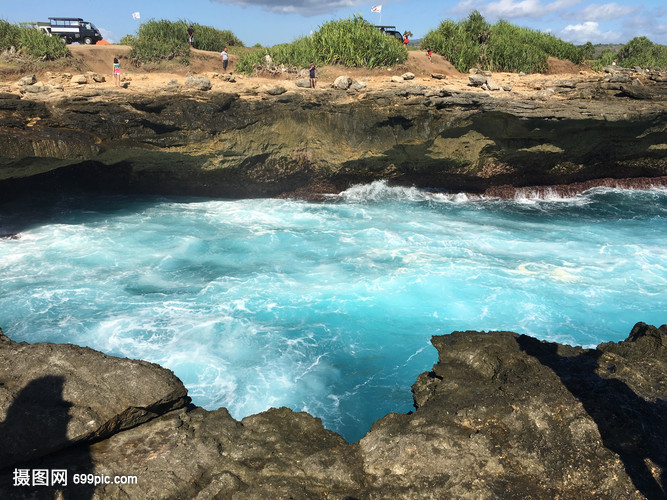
x=66, y=18
x=389, y=27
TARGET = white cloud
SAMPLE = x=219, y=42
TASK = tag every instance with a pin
x=603, y=12
x=302, y=7
x=588, y=31
x=107, y=35
x=512, y=9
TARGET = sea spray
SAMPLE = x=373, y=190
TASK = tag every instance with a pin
x=327, y=307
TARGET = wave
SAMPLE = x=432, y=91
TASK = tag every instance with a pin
x=379, y=191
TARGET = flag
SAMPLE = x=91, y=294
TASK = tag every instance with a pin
x=135, y=15
x=376, y=8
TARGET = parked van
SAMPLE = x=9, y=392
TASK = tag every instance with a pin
x=75, y=29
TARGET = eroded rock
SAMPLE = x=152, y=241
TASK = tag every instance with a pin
x=54, y=396
x=500, y=415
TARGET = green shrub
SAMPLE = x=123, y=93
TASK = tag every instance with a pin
x=32, y=42
x=640, y=51
x=499, y=47
x=159, y=40
x=128, y=40
x=9, y=35
x=350, y=42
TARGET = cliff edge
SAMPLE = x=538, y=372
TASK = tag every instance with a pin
x=210, y=137
x=500, y=415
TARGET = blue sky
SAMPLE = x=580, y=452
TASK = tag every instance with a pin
x=271, y=22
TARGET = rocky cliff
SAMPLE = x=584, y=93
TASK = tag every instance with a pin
x=276, y=142
x=500, y=415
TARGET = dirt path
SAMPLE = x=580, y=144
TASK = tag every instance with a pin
x=99, y=59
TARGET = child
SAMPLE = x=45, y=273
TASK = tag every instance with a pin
x=116, y=72
x=313, y=79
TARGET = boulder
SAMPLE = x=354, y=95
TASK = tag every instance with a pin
x=356, y=85
x=53, y=396
x=96, y=77
x=79, y=79
x=397, y=79
x=303, y=83
x=438, y=76
x=273, y=89
x=477, y=80
x=38, y=88
x=342, y=83
x=27, y=80
x=198, y=82
x=492, y=85
x=408, y=76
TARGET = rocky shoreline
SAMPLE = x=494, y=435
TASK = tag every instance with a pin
x=239, y=140
x=500, y=415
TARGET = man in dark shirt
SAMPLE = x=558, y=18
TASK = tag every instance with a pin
x=191, y=34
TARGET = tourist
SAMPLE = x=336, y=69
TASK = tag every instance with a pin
x=225, y=58
x=116, y=72
x=429, y=53
x=191, y=35
x=313, y=78
x=406, y=40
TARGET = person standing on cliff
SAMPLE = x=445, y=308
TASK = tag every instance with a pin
x=191, y=35
x=116, y=72
x=225, y=58
x=313, y=78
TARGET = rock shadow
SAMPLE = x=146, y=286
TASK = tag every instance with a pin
x=35, y=426
x=630, y=426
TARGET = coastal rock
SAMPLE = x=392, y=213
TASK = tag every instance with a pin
x=37, y=88
x=342, y=82
x=500, y=415
x=27, y=80
x=223, y=144
x=79, y=79
x=477, y=80
x=357, y=85
x=303, y=83
x=55, y=396
x=274, y=89
x=198, y=82
x=97, y=78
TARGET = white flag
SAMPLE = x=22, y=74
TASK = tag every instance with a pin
x=376, y=8
x=135, y=15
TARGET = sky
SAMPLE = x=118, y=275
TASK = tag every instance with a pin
x=280, y=21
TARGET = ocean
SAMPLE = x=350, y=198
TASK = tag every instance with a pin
x=326, y=307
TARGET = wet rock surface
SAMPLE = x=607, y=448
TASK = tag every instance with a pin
x=500, y=415
x=275, y=142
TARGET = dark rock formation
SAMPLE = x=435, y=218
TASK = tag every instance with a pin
x=500, y=415
x=300, y=142
x=54, y=396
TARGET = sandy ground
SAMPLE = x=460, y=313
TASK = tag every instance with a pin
x=99, y=59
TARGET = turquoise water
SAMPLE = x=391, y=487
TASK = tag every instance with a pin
x=327, y=307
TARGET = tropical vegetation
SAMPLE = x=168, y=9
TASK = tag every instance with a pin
x=350, y=42
x=502, y=46
x=160, y=40
x=31, y=42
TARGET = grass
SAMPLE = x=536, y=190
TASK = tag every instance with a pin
x=34, y=43
x=352, y=42
x=163, y=40
x=497, y=47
